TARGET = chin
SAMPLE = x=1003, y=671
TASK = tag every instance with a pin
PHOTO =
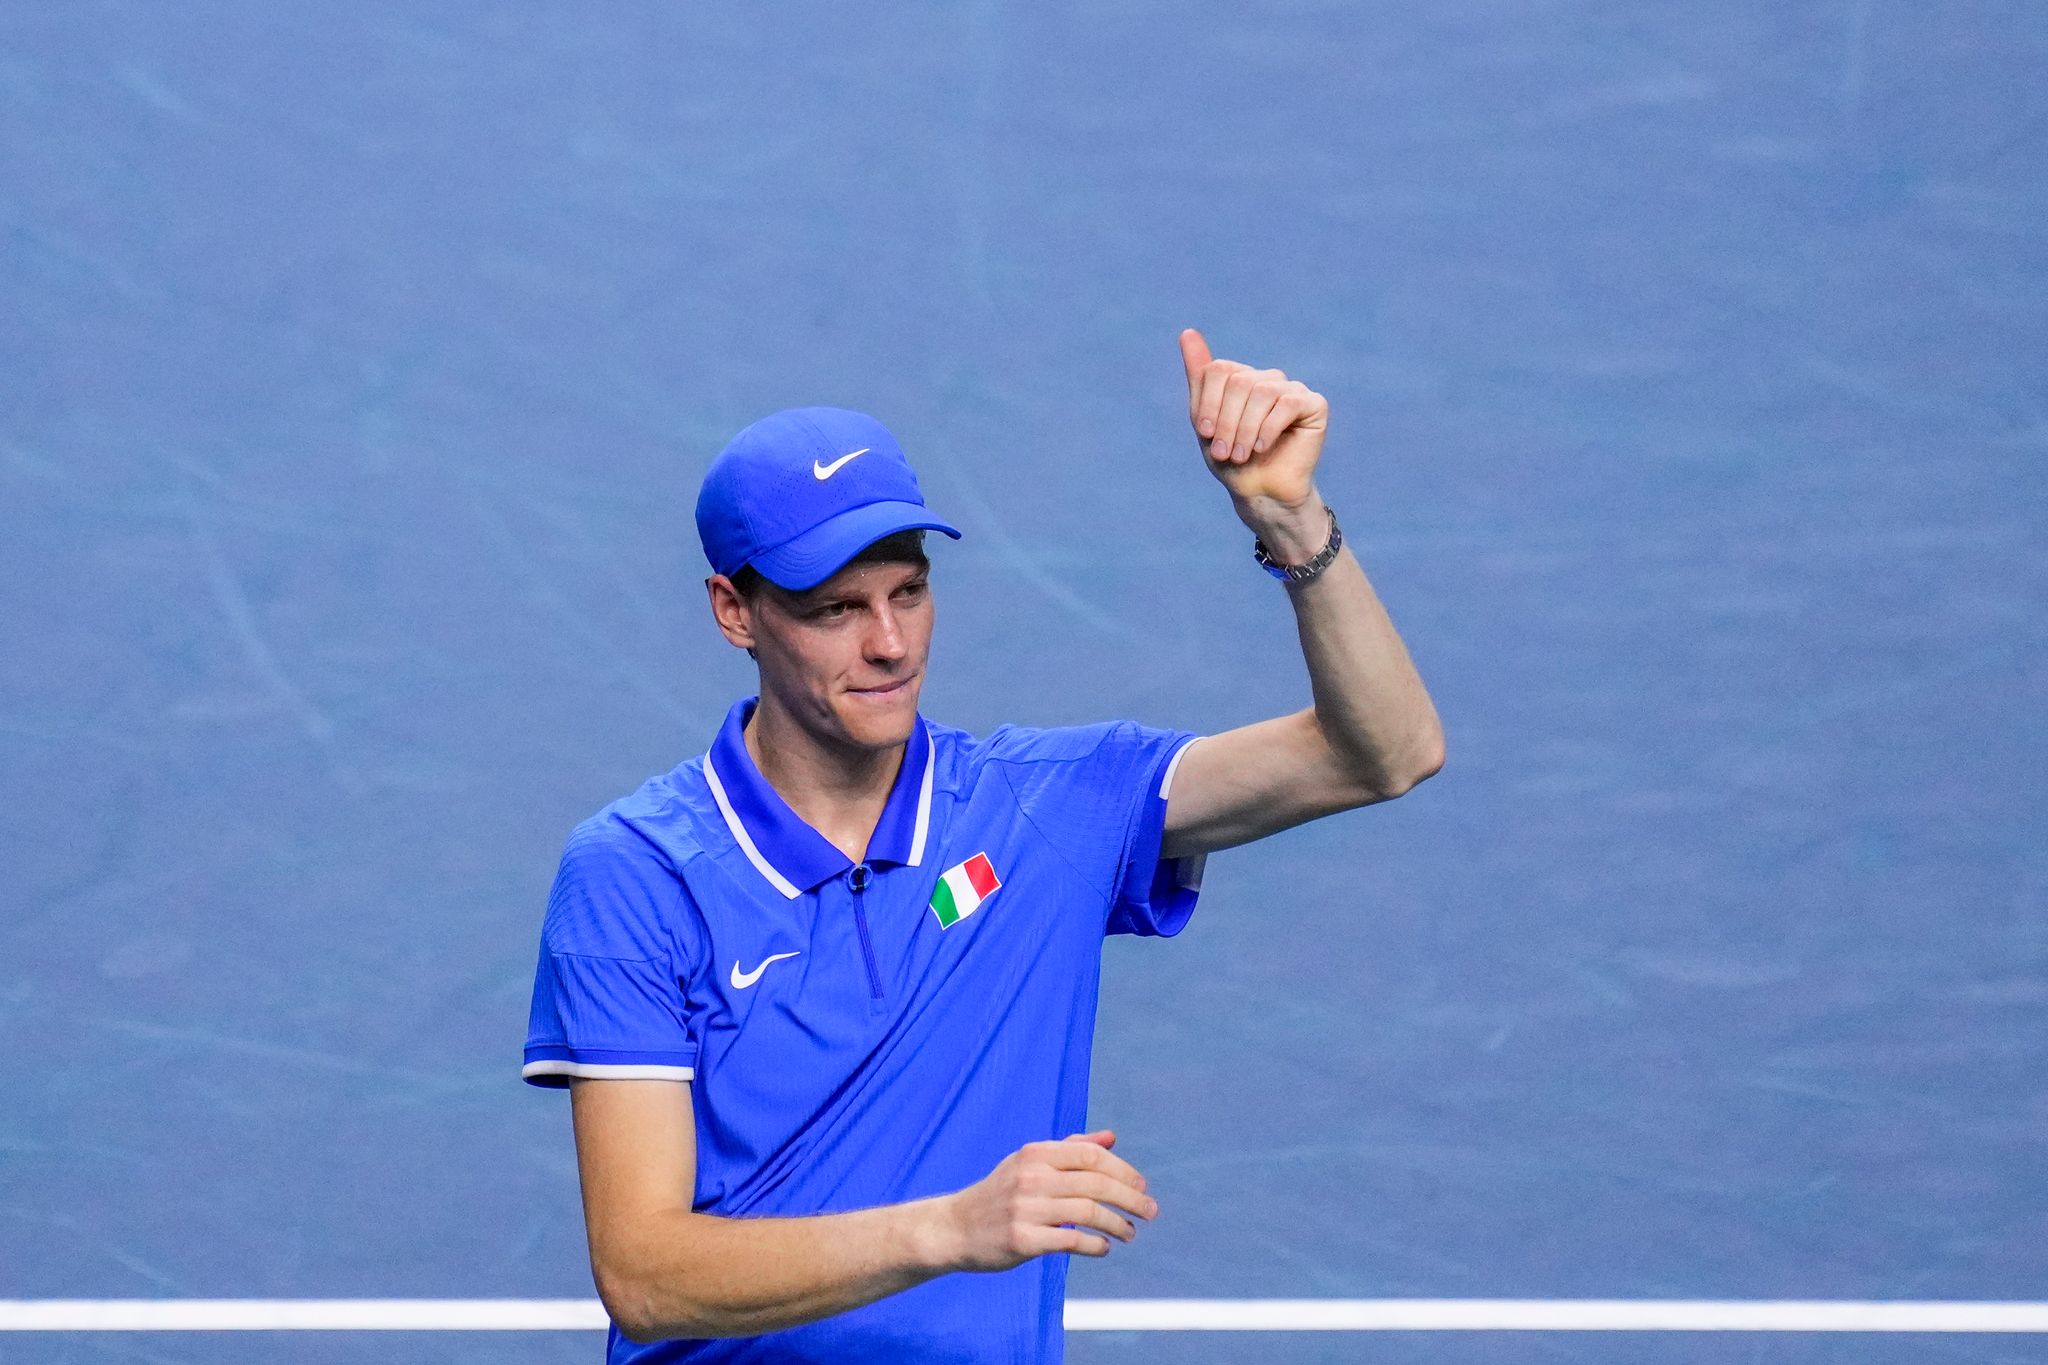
x=881, y=720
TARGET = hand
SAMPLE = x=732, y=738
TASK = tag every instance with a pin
x=1016, y=1211
x=1260, y=431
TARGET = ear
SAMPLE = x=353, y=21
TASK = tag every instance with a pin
x=730, y=610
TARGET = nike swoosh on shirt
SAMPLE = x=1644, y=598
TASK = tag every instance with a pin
x=741, y=980
x=826, y=471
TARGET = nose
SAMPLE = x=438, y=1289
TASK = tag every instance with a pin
x=885, y=643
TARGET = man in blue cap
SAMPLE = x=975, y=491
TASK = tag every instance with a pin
x=824, y=995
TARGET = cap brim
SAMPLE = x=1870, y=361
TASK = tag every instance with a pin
x=822, y=551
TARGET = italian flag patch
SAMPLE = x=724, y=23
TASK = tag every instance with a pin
x=962, y=888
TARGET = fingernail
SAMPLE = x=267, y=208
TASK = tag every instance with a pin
x=1218, y=449
x=1238, y=452
x=1208, y=427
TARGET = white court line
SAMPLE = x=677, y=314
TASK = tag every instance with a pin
x=1082, y=1315
x=1549, y=1315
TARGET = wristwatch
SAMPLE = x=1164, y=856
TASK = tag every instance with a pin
x=1301, y=573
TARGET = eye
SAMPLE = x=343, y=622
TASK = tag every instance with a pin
x=911, y=589
x=829, y=611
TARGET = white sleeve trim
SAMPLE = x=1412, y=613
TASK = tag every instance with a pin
x=596, y=1071
x=1166, y=781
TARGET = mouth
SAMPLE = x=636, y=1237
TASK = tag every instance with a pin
x=885, y=692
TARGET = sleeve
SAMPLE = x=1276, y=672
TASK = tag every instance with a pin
x=607, y=995
x=1154, y=896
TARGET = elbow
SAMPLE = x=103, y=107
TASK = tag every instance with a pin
x=1415, y=780
x=627, y=1307
x=642, y=1331
x=645, y=1313
x=629, y=1301
x=1430, y=761
x=658, y=1286
x=637, y=1332
x=638, y=1324
x=1373, y=772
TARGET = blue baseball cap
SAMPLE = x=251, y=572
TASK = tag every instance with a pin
x=804, y=490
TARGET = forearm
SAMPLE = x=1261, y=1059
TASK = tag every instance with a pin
x=1370, y=702
x=692, y=1274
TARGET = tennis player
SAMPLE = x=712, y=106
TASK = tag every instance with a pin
x=824, y=995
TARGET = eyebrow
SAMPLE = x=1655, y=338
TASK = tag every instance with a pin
x=848, y=595
x=812, y=598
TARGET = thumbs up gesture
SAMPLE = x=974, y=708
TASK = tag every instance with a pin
x=1261, y=433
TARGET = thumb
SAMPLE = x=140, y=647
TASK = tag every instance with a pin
x=1103, y=1137
x=1194, y=352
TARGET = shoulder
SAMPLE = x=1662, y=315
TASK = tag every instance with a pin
x=1020, y=755
x=660, y=822
x=620, y=881
x=1108, y=754
x=1021, y=744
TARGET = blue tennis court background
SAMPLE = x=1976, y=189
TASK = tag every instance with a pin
x=357, y=366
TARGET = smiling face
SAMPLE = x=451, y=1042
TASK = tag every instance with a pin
x=845, y=660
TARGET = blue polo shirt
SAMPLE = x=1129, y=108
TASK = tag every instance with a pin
x=853, y=1034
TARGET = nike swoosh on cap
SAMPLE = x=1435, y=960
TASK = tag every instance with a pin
x=741, y=980
x=826, y=471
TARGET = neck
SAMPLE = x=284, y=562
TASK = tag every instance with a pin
x=837, y=789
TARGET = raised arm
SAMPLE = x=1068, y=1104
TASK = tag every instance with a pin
x=665, y=1271
x=1372, y=732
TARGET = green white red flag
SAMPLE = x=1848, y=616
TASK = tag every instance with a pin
x=962, y=888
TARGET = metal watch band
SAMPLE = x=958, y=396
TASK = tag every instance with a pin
x=1301, y=573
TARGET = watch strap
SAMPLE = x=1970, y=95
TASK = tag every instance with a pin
x=1301, y=573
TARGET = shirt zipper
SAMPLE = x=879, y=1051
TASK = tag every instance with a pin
x=858, y=880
